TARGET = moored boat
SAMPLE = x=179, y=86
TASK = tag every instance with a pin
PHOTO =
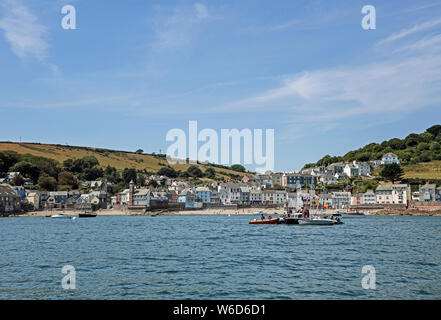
x=60, y=216
x=87, y=215
x=317, y=221
x=265, y=221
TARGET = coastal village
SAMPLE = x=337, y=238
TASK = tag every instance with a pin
x=272, y=190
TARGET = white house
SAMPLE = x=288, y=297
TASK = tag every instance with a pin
x=364, y=169
x=351, y=170
x=328, y=179
x=369, y=197
x=390, y=158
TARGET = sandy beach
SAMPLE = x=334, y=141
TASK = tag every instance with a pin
x=241, y=211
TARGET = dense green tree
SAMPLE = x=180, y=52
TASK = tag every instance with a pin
x=8, y=159
x=210, y=173
x=426, y=137
x=129, y=175
x=168, y=172
x=435, y=130
x=412, y=140
x=423, y=146
x=92, y=173
x=391, y=172
x=425, y=156
x=27, y=169
x=67, y=179
x=18, y=180
x=397, y=144
x=194, y=171
x=238, y=167
x=139, y=151
x=47, y=183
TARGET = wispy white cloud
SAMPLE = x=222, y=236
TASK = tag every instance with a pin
x=406, y=32
x=408, y=80
x=179, y=28
x=22, y=29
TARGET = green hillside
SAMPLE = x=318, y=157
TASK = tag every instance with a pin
x=419, y=153
x=74, y=163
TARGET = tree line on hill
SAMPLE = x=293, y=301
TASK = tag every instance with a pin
x=49, y=174
x=423, y=147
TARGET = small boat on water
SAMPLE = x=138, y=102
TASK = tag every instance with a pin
x=87, y=215
x=60, y=216
x=290, y=218
x=265, y=221
x=307, y=219
x=316, y=221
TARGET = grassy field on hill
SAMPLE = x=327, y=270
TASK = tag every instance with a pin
x=424, y=170
x=117, y=159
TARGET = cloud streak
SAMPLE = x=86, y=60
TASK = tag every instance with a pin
x=406, y=32
x=21, y=28
x=179, y=28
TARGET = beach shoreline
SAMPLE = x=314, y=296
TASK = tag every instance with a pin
x=241, y=211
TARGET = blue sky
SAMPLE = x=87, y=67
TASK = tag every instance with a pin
x=132, y=70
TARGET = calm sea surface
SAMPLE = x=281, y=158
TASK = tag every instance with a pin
x=219, y=257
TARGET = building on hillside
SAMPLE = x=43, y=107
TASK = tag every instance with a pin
x=341, y=199
x=428, y=192
x=351, y=170
x=10, y=200
x=328, y=179
x=357, y=199
x=393, y=194
x=334, y=168
x=292, y=180
x=384, y=194
x=277, y=179
x=33, y=197
x=268, y=196
x=325, y=200
x=244, y=194
x=390, y=158
x=255, y=196
x=369, y=197
x=190, y=199
x=141, y=197
x=364, y=169
x=280, y=197
x=204, y=193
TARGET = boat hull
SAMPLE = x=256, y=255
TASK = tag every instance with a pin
x=86, y=215
x=316, y=222
x=60, y=216
x=265, y=221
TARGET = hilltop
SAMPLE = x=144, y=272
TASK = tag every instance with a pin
x=119, y=160
x=420, y=154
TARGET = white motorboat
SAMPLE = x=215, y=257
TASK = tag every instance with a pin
x=60, y=216
x=308, y=219
x=318, y=221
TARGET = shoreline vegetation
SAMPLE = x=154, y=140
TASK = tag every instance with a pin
x=242, y=211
